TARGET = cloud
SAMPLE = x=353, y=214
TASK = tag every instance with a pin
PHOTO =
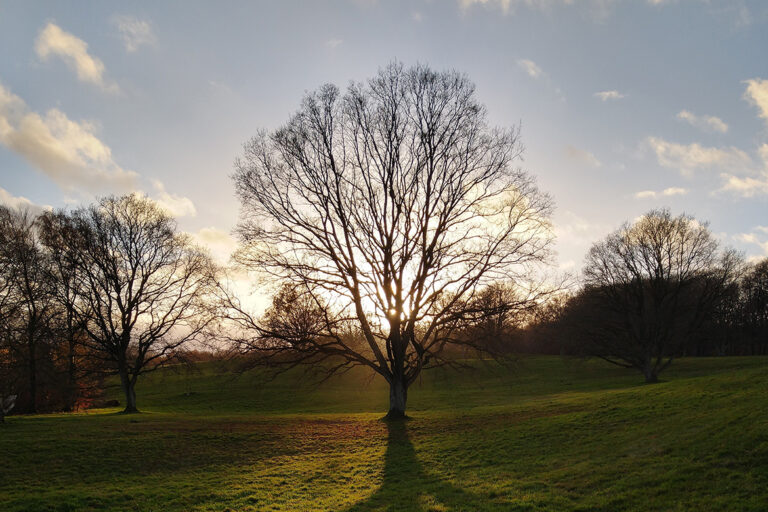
x=576, y=234
x=706, y=123
x=534, y=71
x=688, y=158
x=530, y=67
x=67, y=151
x=219, y=243
x=71, y=155
x=178, y=206
x=757, y=95
x=753, y=239
x=334, y=43
x=21, y=203
x=609, y=95
x=745, y=186
x=581, y=156
x=53, y=41
x=667, y=192
x=134, y=32
x=749, y=186
x=416, y=16
x=674, y=191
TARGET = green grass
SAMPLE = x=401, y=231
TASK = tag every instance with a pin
x=550, y=434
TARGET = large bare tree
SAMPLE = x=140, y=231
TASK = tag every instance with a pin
x=649, y=287
x=385, y=209
x=143, y=286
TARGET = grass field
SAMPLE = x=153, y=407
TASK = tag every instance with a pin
x=549, y=434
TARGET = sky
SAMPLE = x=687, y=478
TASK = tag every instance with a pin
x=625, y=105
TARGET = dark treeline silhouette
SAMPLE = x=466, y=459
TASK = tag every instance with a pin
x=659, y=289
x=111, y=288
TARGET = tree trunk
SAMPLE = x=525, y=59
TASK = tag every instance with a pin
x=398, y=395
x=651, y=375
x=129, y=390
x=32, y=371
x=71, y=376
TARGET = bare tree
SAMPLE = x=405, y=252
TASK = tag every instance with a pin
x=144, y=286
x=26, y=266
x=387, y=207
x=9, y=307
x=649, y=286
x=499, y=315
x=64, y=246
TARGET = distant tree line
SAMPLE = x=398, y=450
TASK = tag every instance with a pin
x=111, y=288
x=652, y=291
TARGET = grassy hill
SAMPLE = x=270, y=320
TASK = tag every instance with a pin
x=547, y=434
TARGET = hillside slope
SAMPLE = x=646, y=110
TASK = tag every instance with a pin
x=546, y=434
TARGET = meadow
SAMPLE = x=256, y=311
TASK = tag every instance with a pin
x=545, y=433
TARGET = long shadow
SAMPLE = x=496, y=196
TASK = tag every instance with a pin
x=407, y=486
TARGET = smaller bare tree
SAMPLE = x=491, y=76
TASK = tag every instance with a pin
x=144, y=286
x=25, y=266
x=650, y=285
x=63, y=245
x=8, y=309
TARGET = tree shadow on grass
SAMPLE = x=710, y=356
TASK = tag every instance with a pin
x=407, y=486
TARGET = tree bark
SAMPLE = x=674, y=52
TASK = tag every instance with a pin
x=129, y=390
x=398, y=395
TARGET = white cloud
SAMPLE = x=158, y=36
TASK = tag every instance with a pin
x=53, y=41
x=575, y=234
x=745, y=186
x=706, y=123
x=688, y=158
x=674, y=191
x=219, y=243
x=582, y=156
x=753, y=239
x=530, y=67
x=134, y=32
x=609, y=95
x=749, y=186
x=71, y=155
x=178, y=206
x=667, y=192
x=333, y=43
x=416, y=16
x=21, y=203
x=66, y=151
x=757, y=95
